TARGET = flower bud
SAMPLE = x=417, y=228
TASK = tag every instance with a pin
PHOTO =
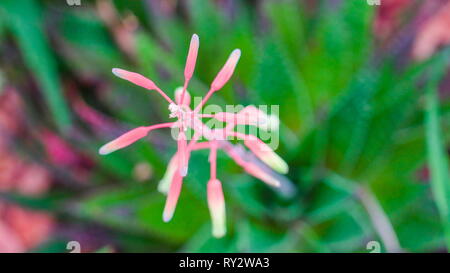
x=266, y=154
x=227, y=70
x=216, y=205
x=135, y=78
x=124, y=140
x=192, y=57
x=172, y=197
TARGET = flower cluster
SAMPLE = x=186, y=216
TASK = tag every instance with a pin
x=215, y=139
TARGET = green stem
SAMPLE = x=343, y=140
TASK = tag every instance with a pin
x=437, y=159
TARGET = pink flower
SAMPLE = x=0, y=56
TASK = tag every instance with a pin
x=216, y=139
x=433, y=34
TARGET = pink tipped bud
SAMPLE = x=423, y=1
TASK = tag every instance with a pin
x=227, y=70
x=192, y=57
x=253, y=169
x=250, y=115
x=254, y=116
x=135, y=78
x=139, y=80
x=266, y=154
x=164, y=183
x=216, y=206
x=124, y=140
x=186, y=98
x=257, y=172
x=172, y=197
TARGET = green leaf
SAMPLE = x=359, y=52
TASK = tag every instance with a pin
x=91, y=50
x=24, y=19
x=331, y=198
x=137, y=210
x=204, y=242
x=344, y=232
x=437, y=156
x=278, y=83
x=419, y=218
x=288, y=21
x=253, y=237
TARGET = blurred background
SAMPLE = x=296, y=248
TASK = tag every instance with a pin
x=364, y=96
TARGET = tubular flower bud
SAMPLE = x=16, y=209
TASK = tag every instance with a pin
x=130, y=137
x=216, y=205
x=124, y=140
x=172, y=197
x=192, y=57
x=254, y=116
x=135, y=78
x=139, y=80
x=250, y=115
x=257, y=172
x=266, y=154
x=227, y=70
